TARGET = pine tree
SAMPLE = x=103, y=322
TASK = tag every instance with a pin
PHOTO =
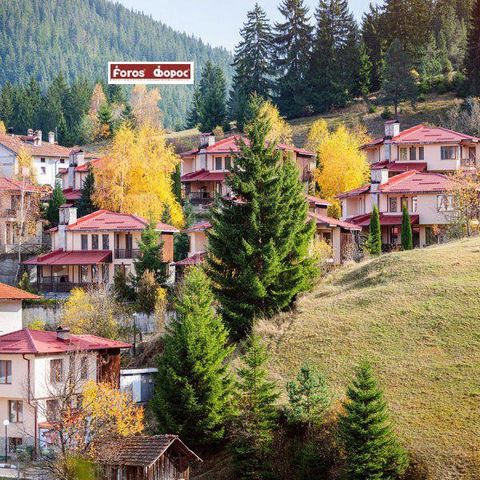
x=335, y=58
x=373, y=40
x=209, y=108
x=292, y=48
x=85, y=204
x=58, y=199
x=308, y=397
x=406, y=232
x=252, y=64
x=54, y=105
x=258, y=247
x=181, y=242
x=6, y=104
x=365, y=73
x=256, y=414
x=398, y=83
x=127, y=116
x=371, y=447
x=374, y=242
x=472, y=59
x=194, y=390
x=105, y=119
x=151, y=257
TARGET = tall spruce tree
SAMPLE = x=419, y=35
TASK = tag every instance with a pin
x=371, y=447
x=406, y=230
x=252, y=64
x=335, y=60
x=398, y=82
x=54, y=104
x=373, y=40
x=258, y=245
x=85, y=204
x=57, y=199
x=374, y=241
x=209, y=108
x=472, y=59
x=292, y=49
x=151, y=255
x=194, y=389
x=6, y=104
x=256, y=414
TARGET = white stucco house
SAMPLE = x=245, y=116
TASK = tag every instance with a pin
x=11, y=299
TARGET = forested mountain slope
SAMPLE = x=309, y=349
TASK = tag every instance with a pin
x=43, y=37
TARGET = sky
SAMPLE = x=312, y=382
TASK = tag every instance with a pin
x=217, y=22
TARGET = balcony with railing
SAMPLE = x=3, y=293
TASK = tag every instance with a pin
x=199, y=198
x=126, y=253
x=61, y=284
x=468, y=163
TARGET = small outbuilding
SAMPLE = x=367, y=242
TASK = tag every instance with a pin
x=160, y=457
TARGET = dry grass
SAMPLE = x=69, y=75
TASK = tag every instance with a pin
x=417, y=316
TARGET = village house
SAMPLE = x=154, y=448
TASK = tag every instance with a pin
x=87, y=251
x=161, y=457
x=203, y=169
x=19, y=214
x=48, y=157
x=34, y=367
x=11, y=300
x=411, y=168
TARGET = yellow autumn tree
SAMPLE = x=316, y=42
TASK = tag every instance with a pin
x=25, y=170
x=343, y=165
x=144, y=103
x=136, y=175
x=316, y=135
x=281, y=131
x=3, y=130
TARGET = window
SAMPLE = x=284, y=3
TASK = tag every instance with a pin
x=84, y=240
x=95, y=273
x=218, y=163
x=43, y=170
x=421, y=153
x=327, y=237
x=42, y=160
x=413, y=153
x=414, y=204
x=445, y=203
x=13, y=444
x=448, y=153
x=228, y=163
x=392, y=204
x=403, y=154
x=62, y=160
x=56, y=370
x=105, y=242
x=15, y=411
x=5, y=371
x=84, y=368
x=83, y=273
x=52, y=409
x=95, y=242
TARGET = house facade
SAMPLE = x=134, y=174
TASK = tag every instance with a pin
x=48, y=157
x=204, y=169
x=34, y=368
x=11, y=300
x=411, y=168
x=87, y=251
x=19, y=214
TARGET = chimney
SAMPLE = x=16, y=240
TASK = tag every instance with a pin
x=207, y=139
x=392, y=129
x=63, y=334
x=51, y=137
x=37, y=138
x=67, y=214
x=378, y=177
x=30, y=132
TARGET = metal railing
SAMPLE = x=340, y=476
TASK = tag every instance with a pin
x=126, y=252
x=55, y=284
x=199, y=198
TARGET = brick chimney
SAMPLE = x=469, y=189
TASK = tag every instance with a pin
x=51, y=137
x=63, y=334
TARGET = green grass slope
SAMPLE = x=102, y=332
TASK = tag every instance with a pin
x=417, y=316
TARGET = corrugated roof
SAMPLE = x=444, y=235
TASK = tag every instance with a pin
x=73, y=257
x=385, y=219
x=332, y=222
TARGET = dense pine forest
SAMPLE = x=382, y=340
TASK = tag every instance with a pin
x=42, y=38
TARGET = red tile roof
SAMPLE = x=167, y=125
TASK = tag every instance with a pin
x=355, y=192
x=105, y=220
x=10, y=185
x=399, y=166
x=198, y=227
x=195, y=259
x=71, y=194
x=416, y=182
x=16, y=142
x=332, y=222
x=85, y=166
x=318, y=201
x=38, y=342
x=203, y=176
x=12, y=293
x=73, y=257
x=385, y=220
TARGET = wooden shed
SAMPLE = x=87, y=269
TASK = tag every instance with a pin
x=160, y=457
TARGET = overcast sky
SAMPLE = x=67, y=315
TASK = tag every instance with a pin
x=217, y=22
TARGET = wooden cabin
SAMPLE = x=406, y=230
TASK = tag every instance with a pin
x=160, y=457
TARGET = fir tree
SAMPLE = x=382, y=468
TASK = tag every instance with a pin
x=123, y=290
x=151, y=257
x=335, y=57
x=292, y=48
x=406, y=232
x=472, y=59
x=371, y=447
x=373, y=41
x=85, y=204
x=258, y=247
x=105, y=119
x=54, y=105
x=6, y=104
x=256, y=414
x=58, y=199
x=181, y=242
x=193, y=116
x=398, y=83
x=252, y=64
x=308, y=397
x=374, y=242
x=127, y=116
x=194, y=389
x=365, y=73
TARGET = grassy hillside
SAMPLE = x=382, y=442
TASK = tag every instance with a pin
x=417, y=316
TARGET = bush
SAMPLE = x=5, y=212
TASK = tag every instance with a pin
x=372, y=108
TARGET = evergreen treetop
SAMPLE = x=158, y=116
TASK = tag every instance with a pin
x=374, y=242
x=58, y=199
x=85, y=204
x=472, y=59
x=151, y=257
x=406, y=231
